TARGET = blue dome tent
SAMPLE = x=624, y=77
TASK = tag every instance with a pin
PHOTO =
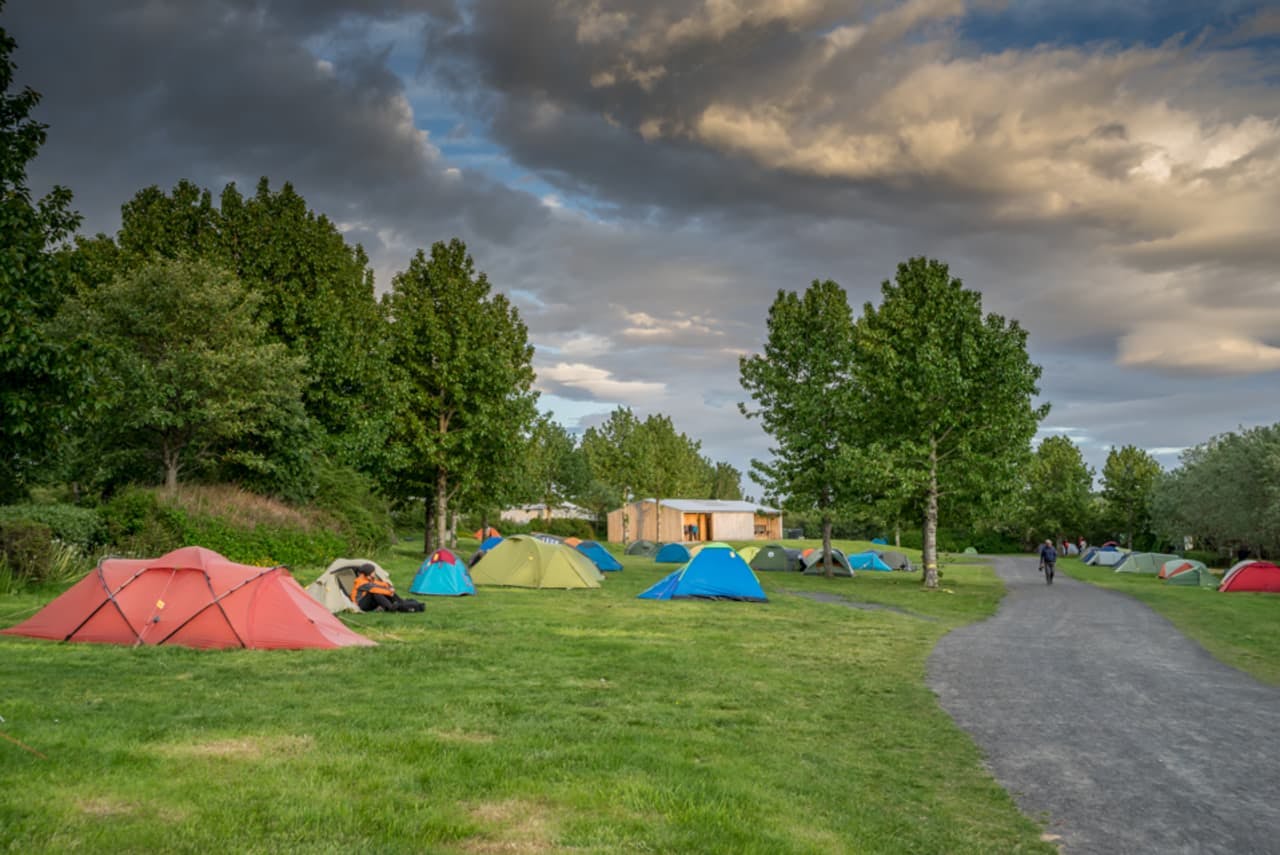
x=716, y=573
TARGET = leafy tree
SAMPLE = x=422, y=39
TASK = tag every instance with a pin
x=621, y=458
x=556, y=470
x=677, y=466
x=1059, y=490
x=464, y=373
x=34, y=371
x=1225, y=494
x=943, y=396
x=724, y=482
x=184, y=368
x=1128, y=483
x=316, y=291
x=802, y=392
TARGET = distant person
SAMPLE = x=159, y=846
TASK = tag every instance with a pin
x=372, y=594
x=1048, y=558
x=693, y=530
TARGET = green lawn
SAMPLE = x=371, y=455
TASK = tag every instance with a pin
x=1243, y=630
x=518, y=721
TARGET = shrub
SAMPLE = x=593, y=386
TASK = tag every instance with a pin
x=82, y=527
x=349, y=495
x=138, y=524
x=26, y=550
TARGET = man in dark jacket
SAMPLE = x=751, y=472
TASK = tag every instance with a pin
x=1048, y=558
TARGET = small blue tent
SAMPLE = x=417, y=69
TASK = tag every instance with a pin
x=673, y=553
x=489, y=543
x=879, y=541
x=866, y=561
x=716, y=573
x=443, y=575
x=599, y=556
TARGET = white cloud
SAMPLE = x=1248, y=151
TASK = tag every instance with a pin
x=598, y=382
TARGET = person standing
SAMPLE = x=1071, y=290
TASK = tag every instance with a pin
x=1048, y=558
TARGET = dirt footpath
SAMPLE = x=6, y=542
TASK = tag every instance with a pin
x=1106, y=723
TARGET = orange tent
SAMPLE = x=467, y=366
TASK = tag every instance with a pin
x=484, y=533
x=192, y=597
x=572, y=541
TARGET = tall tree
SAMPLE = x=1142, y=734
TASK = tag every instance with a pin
x=184, y=367
x=725, y=481
x=801, y=389
x=1059, y=490
x=677, y=465
x=1128, y=483
x=621, y=458
x=556, y=470
x=943, y=395
x=34, y=371
x=464, y=373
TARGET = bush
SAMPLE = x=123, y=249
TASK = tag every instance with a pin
x=138, y=524
x=82, y=527
x=26, y=550
x=349, y=495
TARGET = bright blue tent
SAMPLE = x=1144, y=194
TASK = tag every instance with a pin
x=673, y=553
x=599, y=556
x=716, y=573
x=489, y=543
x=443, y=575
x=866, y=561
x=880, y=541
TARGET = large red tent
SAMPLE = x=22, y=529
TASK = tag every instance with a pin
x=1252, y=576
x=192, y=597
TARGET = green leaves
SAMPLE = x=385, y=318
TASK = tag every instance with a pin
x=1128, y=482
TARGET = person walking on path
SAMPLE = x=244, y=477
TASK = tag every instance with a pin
x=1048, y=558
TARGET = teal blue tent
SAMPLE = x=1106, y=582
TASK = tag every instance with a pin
x=866, y=561
x=442, y=575
x=599, y=556
x=673, y=553
x=715, y=573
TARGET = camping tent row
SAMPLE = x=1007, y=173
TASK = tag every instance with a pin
x=191, y=597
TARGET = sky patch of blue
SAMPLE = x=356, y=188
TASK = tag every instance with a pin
x=1028, y=23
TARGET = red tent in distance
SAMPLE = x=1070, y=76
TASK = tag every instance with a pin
x=192, y=597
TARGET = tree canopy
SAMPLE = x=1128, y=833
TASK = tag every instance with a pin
x=1128, y=484
x=1059, y=491
x=942, y=395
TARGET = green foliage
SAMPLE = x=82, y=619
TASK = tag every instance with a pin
x=138, y=524
x=82, y=527
x=1129, y=480
x=554, y=468
x=944, y=394
x=26, y=550
x=184, y=371
x=1225, y=494
x=802, y=393
x=36, y=374
x=1059, y=500
x=350, y=496
x=464, y=376
x=620, y=458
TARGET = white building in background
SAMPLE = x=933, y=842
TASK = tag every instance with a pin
x=529, y=513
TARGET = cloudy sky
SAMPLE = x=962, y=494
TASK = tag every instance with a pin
x=642, y=176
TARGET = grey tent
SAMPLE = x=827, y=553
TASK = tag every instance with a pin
x=774, y=556
x=839, y=563
x=643, y=548
x=1143, y=562
x=333, y=587
x=895, y=559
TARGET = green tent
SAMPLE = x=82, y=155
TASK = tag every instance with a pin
x=775, y=556
x=970, y=550
x=746, y=553
x=839, y=563
x=1143, y=562
x=1192, y=573
x=526, y=562
x=645, y=548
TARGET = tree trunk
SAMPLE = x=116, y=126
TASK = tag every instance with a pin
x=453, y=530
x=170, y=457
x=897, y=534
x=657, y=523
x=826, y=546
x=626, y=517
x=442, y=506
x=931, y=521
x=426, y=526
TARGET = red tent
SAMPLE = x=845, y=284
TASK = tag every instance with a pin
x=1252, y=576
x=192, y=597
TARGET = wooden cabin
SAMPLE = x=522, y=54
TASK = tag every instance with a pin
x=694, y=521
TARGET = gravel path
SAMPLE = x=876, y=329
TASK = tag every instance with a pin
x=1111, y=726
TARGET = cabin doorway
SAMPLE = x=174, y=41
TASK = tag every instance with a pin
x=697, y=527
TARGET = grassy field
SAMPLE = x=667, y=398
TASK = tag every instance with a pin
x=1242, y=630
x=518, y=721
